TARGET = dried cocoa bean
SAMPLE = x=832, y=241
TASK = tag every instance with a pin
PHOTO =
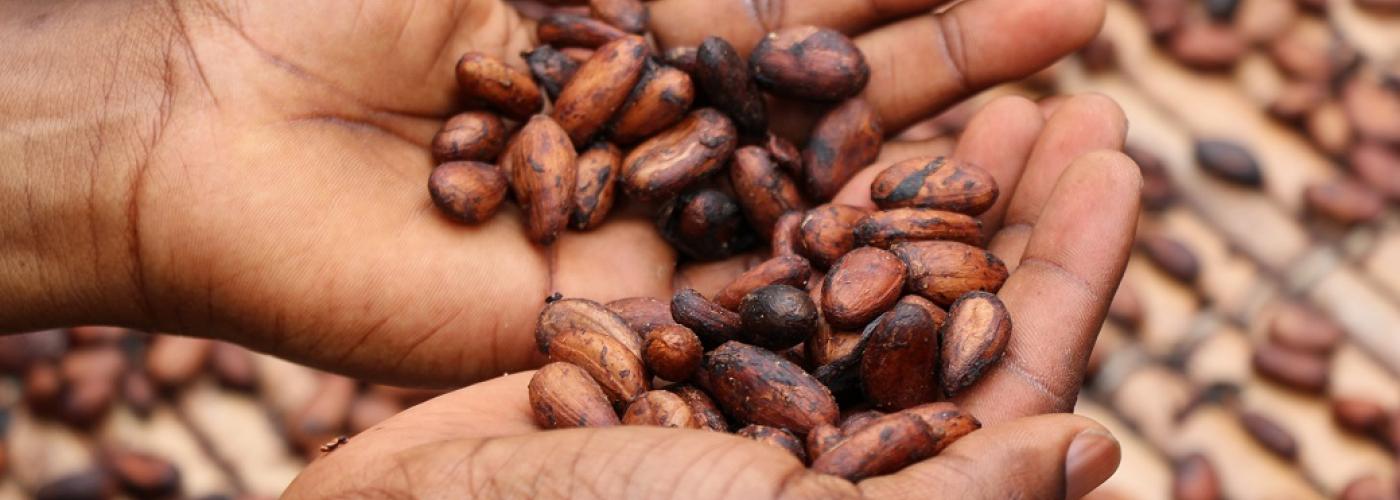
x=714, y=325
x=861, y=285
x=828, y=232
x=844, y=140
x=599, y=88
x=92, y=483
x=627, y=15
x=1208, y=46
x=90, y=379
x=1164, y=16
x=43, y=387
x=777, y=317
x=1228, y=161
x=508, y=90
x=826, y=345
x=233, y=366
x=1297, y=99
x=943, y=271
x=1301, y=327
x=1361, y=416
x=1373, y=106
x=705, y=224
x=937, y=314
x=1304, y=371
x=859, y=420
x=887, y=445
x=783, y=270
x=138, y=392
x=707, y=415
x=543, y=171
x=1171, y=256
x=787, y=234
x=822, y=438
x=672, y=352
x=93, y=336
x=1311, y=50
x=661, y=409
x=1344, y=201
x=938, y=183
x=563, y=395
x=1195, y=478
x=470, y=136
x=809, y=62
x=900, y=362
x=764, y=191
x=1270, y=434
x=611, y=364
x=642, y=314
x=726, y=81
x=563, y=29
x=885, y=228
x=974, y=338
x=786, y=155
x=842, y=375
x=144, y=475
x=595, y=185
x=759, y=387
x=683, y=58
x=662, y=166
x=660, y=99
x=1378, y=166
x=551, y=68
x=467, y=191
x=1158, y=192
x=583, y=314
x=775, y=437
x=948, y=422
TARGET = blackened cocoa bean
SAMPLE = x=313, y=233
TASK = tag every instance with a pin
x=777, y=317
x=714, y=325
x=728, y=85
x=705, y=224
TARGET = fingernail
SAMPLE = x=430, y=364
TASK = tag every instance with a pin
x=1092, y=457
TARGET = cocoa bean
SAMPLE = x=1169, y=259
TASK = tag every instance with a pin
x=173, y=361
x=90, y=378
x=43, y=387
x=1221, y=10
x=900, y=362
x=705, y=224
x=861, y=285
x=578, y=55
x=1373, y=107
x=1270, y=434
x=764, y=191
x=665, y=164
x=1304, y=328
x=759, y=387
x=809, y=62
x=672, y=352
x=1299, y=370
x=93, y=483
x=842, y=374
x=943, y=271
x=783, y=270
x=1126, y=307
x=1297, y=99
x=859, y=420
x=683, y=58
x=937, y=314
x=1157, y=190
x=611, y=364
x=1208, y=46
x=826, y=345
x=1361, y=416
x=563, y=395
x=1171, y=256
x=937, y=183
x=1378, y=166
x=470, y=136
x=786, y=155
x=595, y=185
x=1329, y=129
x=1194, y=478
x=777, y=317
x=583, y=314
x=508, y=90
x=776, y=437
x=828, y=232
x=659, y=99
x=974, y=338
x=714, y=325
x=543, y=172
x=822, y=438
x=144, y=475
x=627, y=15
x=787, y=234
x=563, y=29
x=551, y=68
x=18, y=351
x=642, y=314
x=599, y=88
x=1228, y=161
x=885, y=228
x=1311, y=50
x=661, y=409
x=1099, y=55
x=1164, y=16
x=93, y=336
x=948, y=422
x=843, y=141
x=467, y=191
x=887, y=445
x=1344, y=201
x=727, y=83
x=707, y=415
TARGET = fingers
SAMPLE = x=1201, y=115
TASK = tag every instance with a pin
x=923, y=64
x=1047, y=456
x=999, y=139
x=744, y=22
x=1080, y=125
x=1060, y=293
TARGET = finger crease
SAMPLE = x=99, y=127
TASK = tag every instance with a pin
x=1071, y=277
x=954, y=49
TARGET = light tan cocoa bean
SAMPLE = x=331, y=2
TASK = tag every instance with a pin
x=974, y=339
x=611, y=364
x=563, y=395
x=661, y=409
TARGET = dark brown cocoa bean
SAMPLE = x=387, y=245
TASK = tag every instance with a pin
x=777, y=317
x=642, y=313
x=937, y=183
x=888, y=444
x=583, y=314
x=704, y=409
x=563, y=29
x=1171, y=256
x=467, y=191
x=595, y=185
x=1270, y=434
x=822, y=438
x=787, y=235
x=714, y=325
x=682, y=58
x=861, y=284
x=1344, y=201
x=885, y=228
x=661, y=409
x=900, y=363
x=611, y=364
x=659, y=99
x=508, y=90
x=551, y=68
x=543, y=171
x=696, y=147
x=809, y=62
x=1228, y=161
x=759, y=387
x=672, y=352
x=1157, y=190
x=1304, y=328
x=563, y=395
x=974, y=339
x=1299, y=370
x=937, y=314
x=599, y=88
x=1194, y=478
x=764, y=191
x=470, y=136
x=93, y=483
x=1361, y=416
x=948, y=422
x=846, y=139
x=627, y=15
x=705, y=224
x=828, y=232
x=144, y=475
x=233, y=366
x=859, y=420
x=783, y=270
x=1164, y=16
x=786, y=155
x=776, y=437
x=943, y=271
x=727, y=83
x=1208, y=46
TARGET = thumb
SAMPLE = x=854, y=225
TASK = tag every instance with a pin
x=1045, y=456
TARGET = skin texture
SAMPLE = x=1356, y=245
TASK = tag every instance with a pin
x=253, y=171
